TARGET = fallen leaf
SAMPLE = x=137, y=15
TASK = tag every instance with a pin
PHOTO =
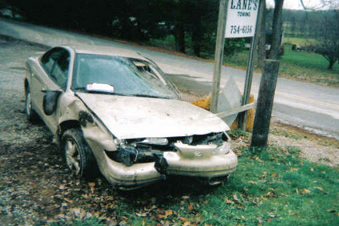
x=293, y=169
x=319, y=188
x=84, y=196
x=190, y=207
x=331, y=211
x=165, y=215
x=271, y=215
x=141, y=214
x=91, y=185
x=228, y=201
x=186, y=223
x=183, y=219
x=168, y=212
x=76, y=212
x=68, y=200
x=252, y=182
x=305, y=191
x=269, y=194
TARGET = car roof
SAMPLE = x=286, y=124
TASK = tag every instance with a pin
x=105, y=50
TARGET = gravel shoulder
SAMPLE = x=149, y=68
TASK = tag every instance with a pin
x=35, y=185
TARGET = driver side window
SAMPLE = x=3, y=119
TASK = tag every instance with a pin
x=56, y=64
x=50, y=58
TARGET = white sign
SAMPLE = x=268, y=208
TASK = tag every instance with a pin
x=241, y=18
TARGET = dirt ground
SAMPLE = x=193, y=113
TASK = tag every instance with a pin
x=35, y=185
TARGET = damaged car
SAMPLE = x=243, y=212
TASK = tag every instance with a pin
x=115, y=112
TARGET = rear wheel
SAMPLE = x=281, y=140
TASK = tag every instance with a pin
x=78, y=155
x=30, y=113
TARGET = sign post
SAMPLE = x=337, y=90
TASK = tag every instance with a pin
x=242, y=120
x=219, y=53
x=241, y=22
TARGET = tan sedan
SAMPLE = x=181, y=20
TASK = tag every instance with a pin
x=114, y=111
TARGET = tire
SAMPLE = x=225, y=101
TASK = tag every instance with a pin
x=29, y=111
x=78, y=155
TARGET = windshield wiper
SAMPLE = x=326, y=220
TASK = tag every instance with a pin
x=147, y=95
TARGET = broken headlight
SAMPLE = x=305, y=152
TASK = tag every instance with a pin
x=128, y=155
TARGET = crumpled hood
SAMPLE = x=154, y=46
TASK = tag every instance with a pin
x=138, y=117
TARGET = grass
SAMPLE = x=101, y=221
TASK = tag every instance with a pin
x=269, y=187
x=275, y=187
x=299, y=41
x=308, y=66
x=91, y=221
x=288, y=134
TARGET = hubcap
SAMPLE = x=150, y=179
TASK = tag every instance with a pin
x=72, y=156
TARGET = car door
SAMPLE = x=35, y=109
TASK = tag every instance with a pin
x=54, y=74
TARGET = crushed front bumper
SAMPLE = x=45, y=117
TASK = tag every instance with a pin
x=202, y=161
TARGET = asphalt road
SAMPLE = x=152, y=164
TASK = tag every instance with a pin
x=308, y=106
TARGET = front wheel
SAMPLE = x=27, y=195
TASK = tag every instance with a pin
x=79, y=157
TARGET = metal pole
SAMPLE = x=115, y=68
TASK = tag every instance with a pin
x=248, y=80
x=219, y=53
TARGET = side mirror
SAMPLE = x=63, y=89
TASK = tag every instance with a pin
x=50, y=101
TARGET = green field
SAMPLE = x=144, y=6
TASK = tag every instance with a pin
x=309, y=67
x=302, y=66
x=299, y=41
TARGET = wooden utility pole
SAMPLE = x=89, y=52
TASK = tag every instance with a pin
x=261, y=35
x=276, y=29
x=219, y=54
x=265, y=103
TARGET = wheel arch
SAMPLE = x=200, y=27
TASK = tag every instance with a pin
x=65, y=125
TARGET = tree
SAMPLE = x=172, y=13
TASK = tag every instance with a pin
x=326, y=32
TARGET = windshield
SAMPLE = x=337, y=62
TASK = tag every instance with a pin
x=126, y=76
